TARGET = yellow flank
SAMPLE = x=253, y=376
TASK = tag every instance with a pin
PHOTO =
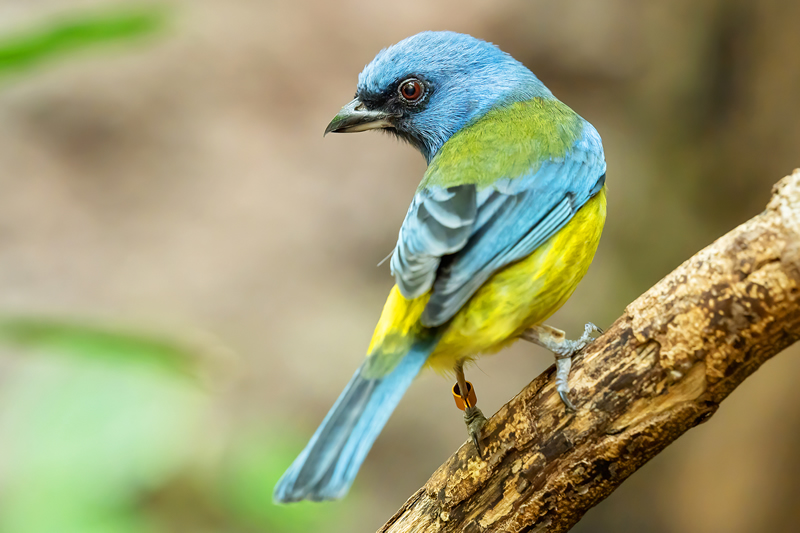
x=521, y=295
x=396, y=331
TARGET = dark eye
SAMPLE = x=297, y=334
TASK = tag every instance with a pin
x=411, y=90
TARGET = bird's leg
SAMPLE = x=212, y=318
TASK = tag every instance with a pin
x=555, y=340
x=473, y=417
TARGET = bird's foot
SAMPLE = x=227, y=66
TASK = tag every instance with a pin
x=555, y=340
x=567, y=348
x=474, y=419
x=467, y=401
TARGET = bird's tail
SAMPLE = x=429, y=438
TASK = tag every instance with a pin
x=327, y=466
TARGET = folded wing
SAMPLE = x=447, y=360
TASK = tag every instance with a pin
x=454, y=238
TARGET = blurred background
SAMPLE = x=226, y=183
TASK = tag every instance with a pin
x=187, y=269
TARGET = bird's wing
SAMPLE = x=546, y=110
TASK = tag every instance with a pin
x=439, y=222
x=455, y=237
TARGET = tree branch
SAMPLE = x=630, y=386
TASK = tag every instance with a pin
x=661, y=369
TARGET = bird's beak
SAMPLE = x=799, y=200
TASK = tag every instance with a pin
x=356, y=117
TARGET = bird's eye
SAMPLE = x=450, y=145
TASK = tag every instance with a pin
x=411, y=90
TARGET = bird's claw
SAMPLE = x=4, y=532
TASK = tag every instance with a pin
x=588, y=331
x=596, y=329
x=567, y=402
x=475, y=421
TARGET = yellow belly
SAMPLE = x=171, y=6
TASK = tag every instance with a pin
x=521, y=295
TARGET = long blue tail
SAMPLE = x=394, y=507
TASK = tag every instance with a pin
x=327, y=466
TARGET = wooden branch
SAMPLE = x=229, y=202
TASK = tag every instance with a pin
x=661, y=369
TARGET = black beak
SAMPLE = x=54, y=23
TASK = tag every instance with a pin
x=356, y=117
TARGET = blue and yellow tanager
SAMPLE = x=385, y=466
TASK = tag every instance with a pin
x=501, y=229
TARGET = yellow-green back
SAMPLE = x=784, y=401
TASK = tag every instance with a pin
x=508, y=142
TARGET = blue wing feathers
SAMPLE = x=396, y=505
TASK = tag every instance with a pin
x=438, y=223
x=512, y=218
x=454, y=286
x=327, y=466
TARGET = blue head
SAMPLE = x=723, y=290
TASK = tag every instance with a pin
x=428, y=86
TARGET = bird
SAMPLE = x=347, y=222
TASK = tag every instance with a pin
x=500, y=231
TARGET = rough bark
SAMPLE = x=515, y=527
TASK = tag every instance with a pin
x=660, y=369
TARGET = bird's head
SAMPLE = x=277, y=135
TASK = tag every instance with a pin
x=428, y=86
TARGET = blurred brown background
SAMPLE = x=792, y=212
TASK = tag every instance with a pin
x=182, y=182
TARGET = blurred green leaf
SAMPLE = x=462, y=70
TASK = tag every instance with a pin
x=102, y=442
x=85, y=439
x=58, y=37
x=98, y=342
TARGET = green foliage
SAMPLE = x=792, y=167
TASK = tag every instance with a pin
x=93, y=341
x=60, y=37
x=97, y=437
x=85, y=438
